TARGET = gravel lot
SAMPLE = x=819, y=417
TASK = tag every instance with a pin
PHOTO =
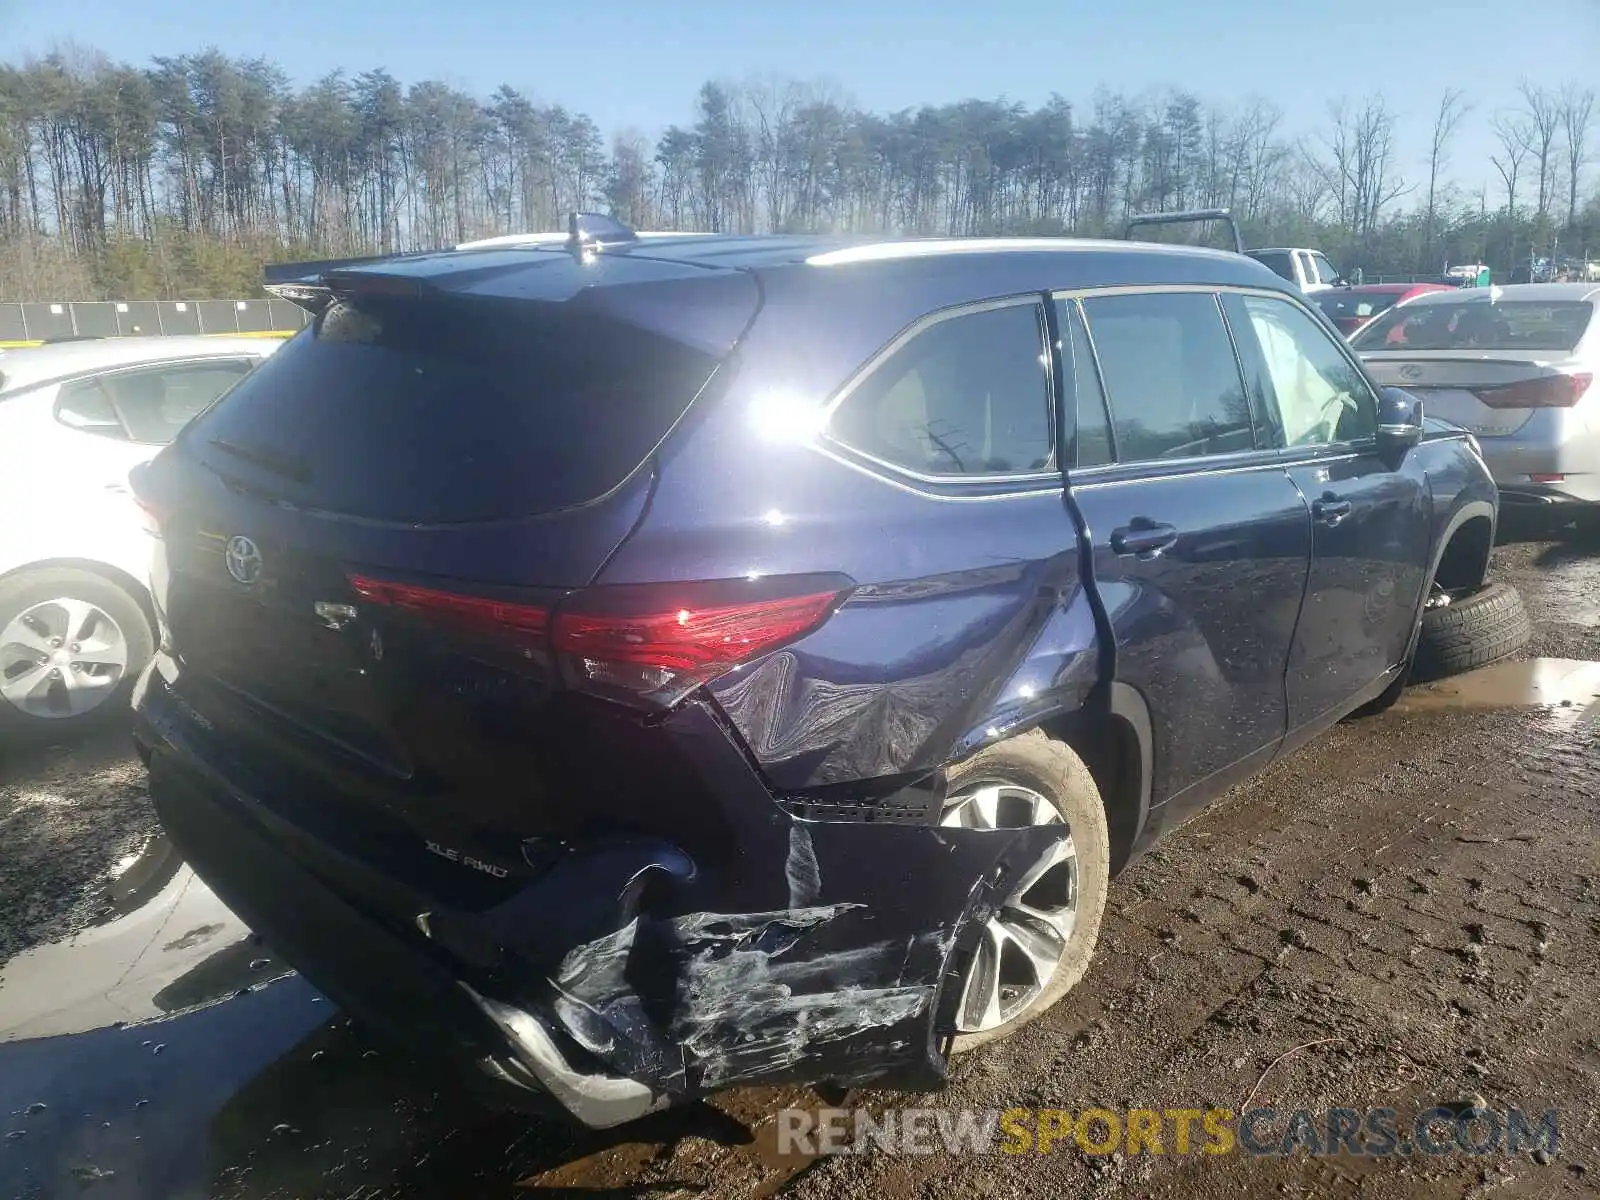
x=1405, y=913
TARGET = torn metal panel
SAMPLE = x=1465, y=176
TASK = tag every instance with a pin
x=846, y=991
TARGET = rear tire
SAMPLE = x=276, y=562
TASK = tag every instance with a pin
x=1587, y=525
x=1048, y=769
x=104, y=640
x=1470, y=632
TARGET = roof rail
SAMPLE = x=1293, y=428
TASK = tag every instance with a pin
x=513, y=241
x=1191, y=217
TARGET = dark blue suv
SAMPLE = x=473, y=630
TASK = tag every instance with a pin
x=631, y=668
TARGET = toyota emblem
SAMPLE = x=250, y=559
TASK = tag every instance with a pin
x=243, y=559
x=1411, y=371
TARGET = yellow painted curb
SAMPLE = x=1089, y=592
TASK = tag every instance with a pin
x=269, y=333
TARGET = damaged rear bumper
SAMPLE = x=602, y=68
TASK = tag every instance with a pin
x=628, y=978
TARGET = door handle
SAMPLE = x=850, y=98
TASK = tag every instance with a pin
x=1144, y=538
x=1330, y=510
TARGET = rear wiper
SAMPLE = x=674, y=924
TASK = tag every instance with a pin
x=279, y=464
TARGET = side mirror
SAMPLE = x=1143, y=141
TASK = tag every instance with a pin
x=1399, y=421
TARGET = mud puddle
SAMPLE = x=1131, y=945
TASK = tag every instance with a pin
x=163, y=1051
x=1567, y=688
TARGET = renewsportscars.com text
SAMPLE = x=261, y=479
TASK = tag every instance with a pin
x=1376, y=1132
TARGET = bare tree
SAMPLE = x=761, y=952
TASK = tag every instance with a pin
x=1359, y=169
x=1514, y=135
x=1452, y=108
x=179, y=176
x=1544, y=122
x=1577, y=113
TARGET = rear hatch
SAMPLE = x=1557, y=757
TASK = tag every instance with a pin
x=362, y=543
x=1484, y=365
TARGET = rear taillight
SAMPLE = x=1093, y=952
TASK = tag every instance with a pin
x=658, y=645
x=149, y=517
x=1546, y=391
x=525, y=622
x=152, y=513
x=651, y=644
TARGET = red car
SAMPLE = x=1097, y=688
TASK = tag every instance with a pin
x=1352, y=307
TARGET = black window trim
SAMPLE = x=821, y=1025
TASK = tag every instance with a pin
x=1196, y=463
x=1048, y=373
x=1075, y=306
x=251, y=362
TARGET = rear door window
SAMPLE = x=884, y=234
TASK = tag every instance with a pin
x=148, y=405
x=967, y=395
x=1279, y=261
x=83, y=404
x=1171, y=377
x=454, y=408
x=156, y=404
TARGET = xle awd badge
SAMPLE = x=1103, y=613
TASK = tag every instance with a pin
x=466, y=860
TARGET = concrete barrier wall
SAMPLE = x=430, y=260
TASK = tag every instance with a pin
x=29, y=324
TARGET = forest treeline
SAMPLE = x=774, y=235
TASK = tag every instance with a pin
x=178, y=178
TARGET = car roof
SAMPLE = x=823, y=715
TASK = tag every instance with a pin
x=544, y=271
x=35, y=364
x=1510, y=292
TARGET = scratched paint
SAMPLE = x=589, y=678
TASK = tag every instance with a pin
x=750, y=999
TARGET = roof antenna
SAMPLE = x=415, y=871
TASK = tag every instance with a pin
x=588, y=233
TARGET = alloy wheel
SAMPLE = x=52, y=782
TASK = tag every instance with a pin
x=1022, y=944
x=61, y=658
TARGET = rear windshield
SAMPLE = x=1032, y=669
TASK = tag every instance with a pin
x=453, y=408
x=1342, y=306
x=1278, y=260
x=1474, y=324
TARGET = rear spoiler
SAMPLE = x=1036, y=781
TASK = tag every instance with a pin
x=1192, y=217
x=305, y=283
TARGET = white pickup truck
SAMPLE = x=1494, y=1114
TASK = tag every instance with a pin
x=1309, y=270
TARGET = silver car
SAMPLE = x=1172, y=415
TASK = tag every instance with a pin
x=1516, y=366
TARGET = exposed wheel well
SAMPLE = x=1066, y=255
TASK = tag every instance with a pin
x=1465, y=563
x=1109, y=747
x=139, y=592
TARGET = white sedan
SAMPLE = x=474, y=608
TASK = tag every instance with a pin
x=1517, y=367
x=75, y=616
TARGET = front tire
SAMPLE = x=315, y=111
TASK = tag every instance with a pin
x=1471, y=631
x=71, y=645
x=1037, y=945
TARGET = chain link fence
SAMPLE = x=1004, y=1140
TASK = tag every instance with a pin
x=28, y=324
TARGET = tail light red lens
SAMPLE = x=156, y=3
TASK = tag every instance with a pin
x=657, y=646
x=149, y=516
x=151, y=513
x=650, y=644
x=525, y=622
x=1546, y=391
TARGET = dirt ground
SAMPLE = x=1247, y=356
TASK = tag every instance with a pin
x=1404, y=914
